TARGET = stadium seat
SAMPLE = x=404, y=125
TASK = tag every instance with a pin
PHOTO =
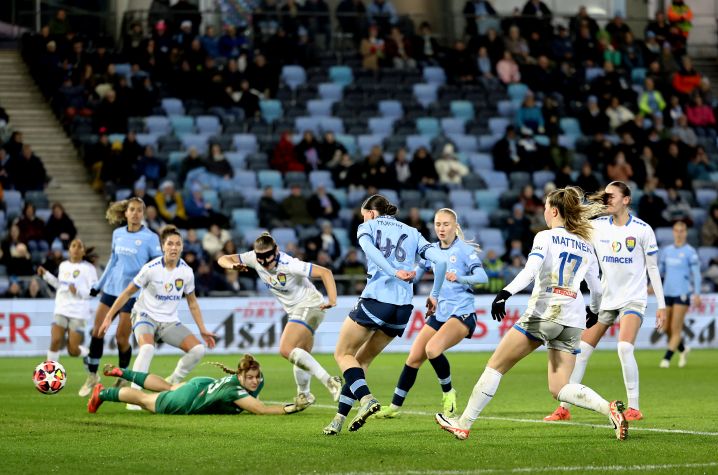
x=391, y=108
x=452, y=125
x=208, y=124
x=236, y=159
x=487, y=142
x=638, y=76
x=413, y=142
x=349, y=142
x=331, y=124
x=461, y=198
x=182, y=124
x=37, y=198
x=383, y=126
x=664, y=236
x=462, y=110
x=342, y=235
x=410, y=198
x=293, y=76
x=172, y=106
x=475, y=218
x=319, y=107
x=147, y=139
x=271, y=178
x=331, y=91
x=251, y=196
x=519, y=179
x=341, y=195
x=570, y=126
x=507, y=108
x=341, y=75
x=158, y=124
x=245, y=143
x=244, y=217
x=304, y=123
x=495, y=180
x=198, y=141
x=211, y=197
x=541, y=177
x=285, y=236
x=481, y=161
x=705, y=254
x=425, y=94
x=271, y=110
x=491, y=239
x=517, y=92
x=245, y=179
x=428, y=126
x=705, y=197
x=465, y=143
x=293, y=178
x=497, y=125
x=593, y=73
x=366, y=142
x=321, y=178
x=434, y=75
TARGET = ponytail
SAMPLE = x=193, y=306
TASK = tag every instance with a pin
x=247, y=363
x=379, y=204
x=575, y=212
x=115, y=213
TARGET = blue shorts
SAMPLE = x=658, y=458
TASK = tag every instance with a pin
x=684, y=299
x=108, y=300
x=469, y=320
x=387, y=317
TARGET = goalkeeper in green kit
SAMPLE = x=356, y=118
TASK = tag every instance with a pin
x=229, y=395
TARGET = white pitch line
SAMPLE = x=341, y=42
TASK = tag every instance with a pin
x=584, y=468
x=540, y=421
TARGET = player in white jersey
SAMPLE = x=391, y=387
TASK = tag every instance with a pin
x=75, y=278
x=288, y=279
x=164, y=281
x=560, y=259
x=626, y=249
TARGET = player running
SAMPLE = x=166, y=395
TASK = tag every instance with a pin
x=164, y=281
x=453, y=320
x=75, y=278
x=229, y=395
x=626, y=249
x=132, y=246
x=679, y=264
x=560, y=259
x=384, y=308
x=288, y=279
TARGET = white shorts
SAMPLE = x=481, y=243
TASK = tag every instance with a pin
x=75, y=324
x=554, y=335
x=172, y=333
x=609, y=317
x=310, y=317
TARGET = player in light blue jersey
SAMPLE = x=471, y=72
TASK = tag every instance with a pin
x=133, y=246
x=385, y=306
x=454, y=318
x=679, y=267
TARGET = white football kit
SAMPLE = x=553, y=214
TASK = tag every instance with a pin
x=83, y=275
x=162, y=289
x=622, y=252
x=288, y=281
x=559, y=261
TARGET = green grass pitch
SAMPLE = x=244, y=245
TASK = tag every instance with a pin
x=41, y=434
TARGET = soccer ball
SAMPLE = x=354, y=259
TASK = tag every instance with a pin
x=49, y=377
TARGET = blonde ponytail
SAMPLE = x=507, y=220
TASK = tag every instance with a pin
x=575, y=211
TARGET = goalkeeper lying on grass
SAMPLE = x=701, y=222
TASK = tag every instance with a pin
x=229, y=395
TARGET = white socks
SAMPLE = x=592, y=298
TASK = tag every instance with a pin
x=303, y=379
x=84, y=351
x=187, y=363
x=53, y=355
x=481, y=395
x=583, y=396
x=630, y=372
x=580, y=368
x=302, y=359
x=143, y=360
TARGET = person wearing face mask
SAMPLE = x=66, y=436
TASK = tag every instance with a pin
x=288, y=279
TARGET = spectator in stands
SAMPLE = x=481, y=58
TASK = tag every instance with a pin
x=701, y=118
x=507, y=153
x=111, y=115
x=586, y=49
x=13, y=146
x=208, y=280
x=658, y=27
x=537, y=17
x=153, y=220
x=307, y=151
x=15, y=254
x=529, y=115
x=680, y=16
x=383, y=14
x=709, y=231
x=215, y=239
x=32, y=229
x=60, y=226
x=586, y=180
x=494, y=268
x=618, y=114
x=426, y=48
x=4, y=177
x=673, y=112
x=617, y=29
x=672, y=170
x=199, y=211
x=651, y=101
x=677, y=209
x=36, y=290
x=291, y=17
x=210, y=42
x=351, y=18
x=700, y=166
x=317, y=22
x=323, y=205
x=54, y=257
x=217, y=163
x=619, y=169
x=516, y=265
x=15, y=290
x=270, y=212
x=651, y=206
x=494, y=44
x=399, y=50
x=345, y=172
x=460, y=65
x=632, y=52
x=686, y=79
x=284, y=158
x=562, y=45
x=330, y=151
x=26, y=171
x=150, y=167
x=375, y=171
x=170, y=204
x=592, y=119
x=485, y=70
x=193, y=244
x=517, y=45
x=324, y=242
x=518, y=227
x=184, y=37
x=189, y=163
x=684, y=133
x=296, y=207
x=414, y=220
x=247, y=99
x=652, y=49
x=529, y=200
x=59, y=25
x=508, y=70
x=450, y=169
x=131, y=149
x=476, y=12
x=402, y=168
x=266, y=17
x=372, y=49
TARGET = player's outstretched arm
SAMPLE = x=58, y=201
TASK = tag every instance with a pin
x=328, y=280
x=255, y=406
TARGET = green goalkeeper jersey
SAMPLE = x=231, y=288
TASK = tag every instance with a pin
x=205, y=396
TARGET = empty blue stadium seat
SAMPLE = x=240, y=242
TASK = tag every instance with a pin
x=481, y=161
x=425, y=94
x=517, y=92
x=705, y=197
x=462, y=110
x=465, y=143
x=349, y=142
x=244, y=217
x=158, y=124
x=381, y=125
x=293, y=75
x=705, y=254
x=366, y=142
x=271, y=110
x=341, y=75
x=570, y=126
x=245, y=179
x=304, y=123
x=236, y=159
x=331, y=124
x=453, y=125
x=391, y=108
x=285, y=236
x=182, y=124
x=321, y=178
x=541, y=177
x=147, y=139
x=428, y=126
x=434, y=75
x=461, y=198
x=331, y=91
x=245, y=143
x=198, y=141
x=495, y=180
x=319, y=107
x=172, y=106
x=208, y=124
x=271, y=178
x=413, y=142
x=497, y=125
x=475, y=218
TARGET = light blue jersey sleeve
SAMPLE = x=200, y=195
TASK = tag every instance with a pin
x=696, y=271
x=130, y=251
x=434, y=255
x=476, y=274
x=110, y=264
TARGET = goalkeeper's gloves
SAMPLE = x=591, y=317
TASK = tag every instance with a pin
x=498, y=307
x=94, y=292
x=292, y=408
x=591, y=318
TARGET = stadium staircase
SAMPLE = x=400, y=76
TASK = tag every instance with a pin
x=31, y=115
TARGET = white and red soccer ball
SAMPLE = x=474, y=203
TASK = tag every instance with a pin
x=49, y=377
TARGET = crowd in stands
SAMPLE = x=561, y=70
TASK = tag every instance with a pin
x=227, y=131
